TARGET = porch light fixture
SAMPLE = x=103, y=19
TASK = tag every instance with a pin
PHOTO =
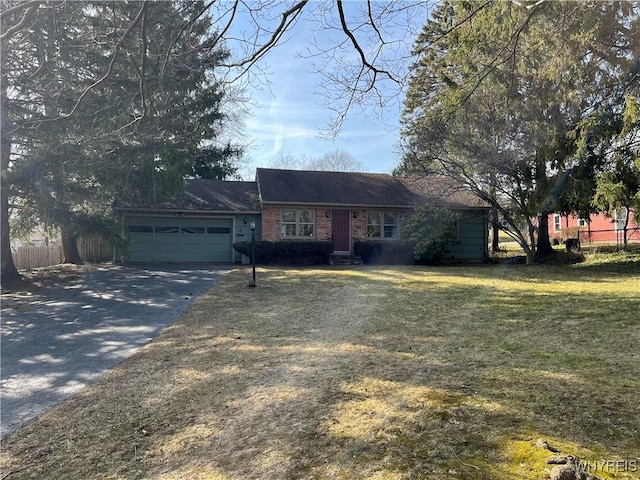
x=252, y=226
x=327, y=214
x=355, y=214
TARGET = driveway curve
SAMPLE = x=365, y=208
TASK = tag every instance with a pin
x=63, y=337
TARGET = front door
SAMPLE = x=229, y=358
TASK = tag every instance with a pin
x=340, y=230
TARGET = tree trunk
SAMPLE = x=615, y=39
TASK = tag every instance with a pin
x=495, y=230
x=530, y=248
x=544, y=248
x=8, y=271
x=70, y=246
x=626, y=227
x=531, y=255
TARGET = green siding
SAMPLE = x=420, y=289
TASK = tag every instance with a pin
x=178, y=239
x=472, y=241
x=243, y=232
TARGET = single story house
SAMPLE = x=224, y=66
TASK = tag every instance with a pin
x=291, y=205
x=597, y=228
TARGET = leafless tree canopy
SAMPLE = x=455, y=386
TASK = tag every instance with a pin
x=360, y=50
x=333, y=161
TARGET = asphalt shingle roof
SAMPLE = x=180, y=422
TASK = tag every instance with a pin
x=218, y=195
x=275, y=186
x=332, y=188
x=443, y=192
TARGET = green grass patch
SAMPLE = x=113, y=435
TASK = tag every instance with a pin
x=366, y=372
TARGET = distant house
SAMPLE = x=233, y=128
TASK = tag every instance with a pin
x=597, y=228
x=292, y=205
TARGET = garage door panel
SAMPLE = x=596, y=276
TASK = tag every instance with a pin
x=162, y=244
x=180, y=240
x=192, y=243
x=217, y=242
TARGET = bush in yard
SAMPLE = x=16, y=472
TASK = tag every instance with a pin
x=430, y=229
x=569, y=232
x=288, y=253
x=384, y=252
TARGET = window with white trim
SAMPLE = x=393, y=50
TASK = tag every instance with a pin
x=582, y=222
x=382, y=225
x=557, y=223
x=297, y=223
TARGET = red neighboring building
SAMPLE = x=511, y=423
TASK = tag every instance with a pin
x=599, y=228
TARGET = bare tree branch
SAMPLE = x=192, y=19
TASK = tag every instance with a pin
x=143, y=59
x=31, y=9
x=379, y=34
x=100, y=80
x=356, y=45
x=289, y=18
x=373, y=23
x=20, y=6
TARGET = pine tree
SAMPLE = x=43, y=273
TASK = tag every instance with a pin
x=496, y=103
x=112, y=104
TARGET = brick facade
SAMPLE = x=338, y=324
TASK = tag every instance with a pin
x=270, y=223
x=358, y=222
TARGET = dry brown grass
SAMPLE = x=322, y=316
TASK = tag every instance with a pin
x=364, y=373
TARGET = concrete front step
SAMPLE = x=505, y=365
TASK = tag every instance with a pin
x=345, y=260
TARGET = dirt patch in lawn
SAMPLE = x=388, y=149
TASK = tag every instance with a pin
x=386, y=373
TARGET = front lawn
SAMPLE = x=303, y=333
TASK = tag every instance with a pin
x=367, y=373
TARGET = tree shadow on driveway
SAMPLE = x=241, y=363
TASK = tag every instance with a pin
x=63, y=336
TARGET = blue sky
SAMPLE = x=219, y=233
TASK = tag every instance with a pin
x=289, y=115
x=291, y=118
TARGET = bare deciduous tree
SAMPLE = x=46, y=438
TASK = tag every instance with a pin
x=288, y=161
x=361, y=50
x=333, y=161
x=336, y=161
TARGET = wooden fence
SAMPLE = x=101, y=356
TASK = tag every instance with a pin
x=27, y=257
x=95, y=249
x=92, y=249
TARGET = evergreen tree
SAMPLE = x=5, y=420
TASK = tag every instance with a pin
x=495, y=103
x=110, y=104
x=618, y=185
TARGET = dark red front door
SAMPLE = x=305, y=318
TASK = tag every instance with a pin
x=340, y=230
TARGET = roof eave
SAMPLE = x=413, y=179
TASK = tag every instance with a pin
x=132, y=210
x=339, y=205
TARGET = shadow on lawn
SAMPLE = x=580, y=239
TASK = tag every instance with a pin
x=626, y=267
x=63, y=336
x=354, y=380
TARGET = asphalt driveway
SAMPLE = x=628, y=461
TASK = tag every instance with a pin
x=66, y=335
